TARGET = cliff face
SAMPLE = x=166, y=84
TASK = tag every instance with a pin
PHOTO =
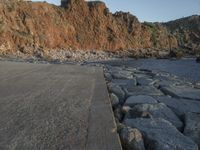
x=187, y=32
x=26, y=27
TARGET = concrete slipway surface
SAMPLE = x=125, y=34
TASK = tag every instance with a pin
x=55, y=107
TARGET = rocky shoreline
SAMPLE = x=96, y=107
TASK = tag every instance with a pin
x=154, y=110
x=64, y=55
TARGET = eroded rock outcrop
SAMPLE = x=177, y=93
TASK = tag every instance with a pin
x=36, y=28
x=187, y=32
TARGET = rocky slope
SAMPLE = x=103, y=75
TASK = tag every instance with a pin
x=187, y=32
x=36, y=29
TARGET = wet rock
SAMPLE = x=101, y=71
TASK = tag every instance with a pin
x=180, y=106
x=158, y=110
x=113, y=88
x=160, y=134
x=139, y=99
x=131, y=139
x=114, y=100
x=143, y=90
x=182, y=92
x=192, y=127
x=125, y=82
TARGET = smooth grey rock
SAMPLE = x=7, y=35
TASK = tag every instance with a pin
x=160, y=134
x=131, y=139
x=139, y=99
x=143, y=90
x=192, y=127
x=114, y=100
x=122, y=74
x=145, y=81
x=180, y=106
x=125, y=83
x=182, y=92
x=159, y=110
x=117, y=90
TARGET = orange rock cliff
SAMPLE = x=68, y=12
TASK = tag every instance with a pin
x=77, y=24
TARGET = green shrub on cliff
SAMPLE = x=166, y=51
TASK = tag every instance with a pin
x=153, y=30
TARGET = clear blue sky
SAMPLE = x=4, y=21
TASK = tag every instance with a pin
x=152, y=10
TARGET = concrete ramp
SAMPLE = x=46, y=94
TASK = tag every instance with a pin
x=49, y=107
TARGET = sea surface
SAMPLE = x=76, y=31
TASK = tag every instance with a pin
x=187, y=67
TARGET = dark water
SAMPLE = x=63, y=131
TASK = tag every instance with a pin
x=187, y=68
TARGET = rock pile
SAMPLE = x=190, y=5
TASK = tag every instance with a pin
x=154, y=110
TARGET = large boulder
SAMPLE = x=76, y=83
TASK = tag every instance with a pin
x=160, y=134
x=139, y=99
x=117, y=90
x=180, y=106
x=131, y=139
x=143, y=90
x=125, y=83
x=192, y=127
x=182, y=92
x=158, y=110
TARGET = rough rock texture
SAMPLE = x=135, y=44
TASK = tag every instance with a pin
x=192, y=127
x=36, y=28
x=117, y=90
x=131, y=139
x=159, y=134
x=182, y=92
x=156, y=103
x=158, y=110
x=180, y=106
x=143, y=90
x=187, y=32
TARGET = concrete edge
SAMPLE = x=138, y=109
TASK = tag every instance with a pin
x=102, y=130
